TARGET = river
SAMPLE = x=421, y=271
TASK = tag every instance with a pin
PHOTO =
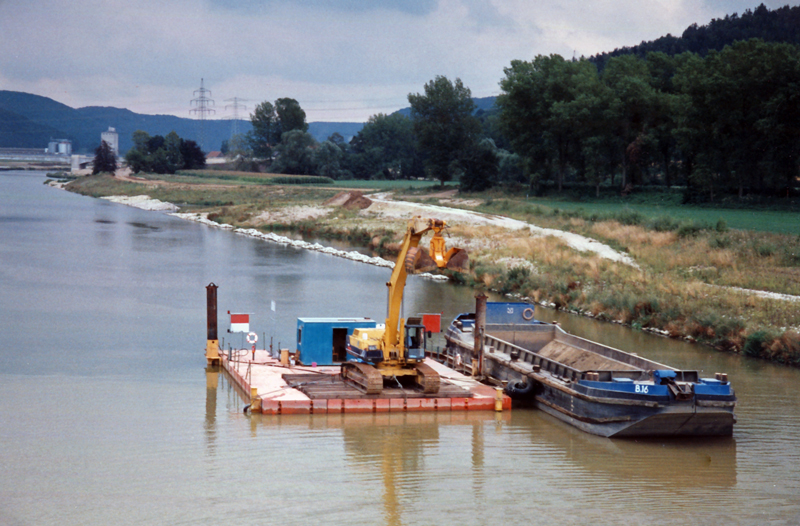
x=109, y=416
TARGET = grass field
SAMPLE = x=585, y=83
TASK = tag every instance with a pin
x=432, y=186
x=779, y=222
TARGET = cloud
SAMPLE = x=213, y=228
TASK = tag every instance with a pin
x=341, y=59
x=416, y=7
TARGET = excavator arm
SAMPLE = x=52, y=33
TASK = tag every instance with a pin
x=396, y=358
x=412, y=259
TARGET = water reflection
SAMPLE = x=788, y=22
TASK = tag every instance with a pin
x=210, y=424
x=678, y=462
x=394, y=459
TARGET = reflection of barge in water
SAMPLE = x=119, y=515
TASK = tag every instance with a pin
x=598, y=389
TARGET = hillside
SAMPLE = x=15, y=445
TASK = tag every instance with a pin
x=779, y=25
x=29, y=121
x=17, y=131
x=481, y=103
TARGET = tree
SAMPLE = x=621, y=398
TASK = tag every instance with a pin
x=172, y=151
x=328, y=160
x=385, y=148
x=547, y=108
x=294, y=155
x=266, y=131
x=104, y=159
x=163, y=155
x=482, y=169
x=270, y=123
x=444, y=125
x=192, y=156
x=290, y=116
x=337, y=139
x=632, y=108
x=740, y=117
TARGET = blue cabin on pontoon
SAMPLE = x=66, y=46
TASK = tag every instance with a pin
x=323, y=341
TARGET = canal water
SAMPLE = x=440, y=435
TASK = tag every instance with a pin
x=108, y=415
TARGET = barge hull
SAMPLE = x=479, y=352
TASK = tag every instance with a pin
x=598, y=389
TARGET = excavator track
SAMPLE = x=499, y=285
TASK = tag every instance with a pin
x=427, y=378
x=364, y=376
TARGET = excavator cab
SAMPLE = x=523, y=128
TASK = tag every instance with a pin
x=415, y=342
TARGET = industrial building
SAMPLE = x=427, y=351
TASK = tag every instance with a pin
x=59, y=147
x=112, y=139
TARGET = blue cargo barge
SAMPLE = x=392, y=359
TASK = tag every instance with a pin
x=596, y=388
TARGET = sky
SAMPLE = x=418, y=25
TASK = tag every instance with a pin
x=343, y=60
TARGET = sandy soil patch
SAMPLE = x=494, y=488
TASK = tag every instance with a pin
x=349, y=200
x=144, y=202
x=461, y=202
x=290, y=215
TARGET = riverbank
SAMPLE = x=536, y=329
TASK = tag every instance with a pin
x=724, y=288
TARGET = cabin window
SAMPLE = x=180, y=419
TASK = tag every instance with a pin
x=415, y=337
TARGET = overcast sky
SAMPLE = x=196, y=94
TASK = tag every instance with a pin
x=343, y=60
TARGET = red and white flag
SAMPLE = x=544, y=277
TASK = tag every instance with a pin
x=240, y=323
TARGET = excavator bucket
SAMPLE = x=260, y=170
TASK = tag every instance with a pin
x=454, y=259
x=457, y=260
x=418, y=260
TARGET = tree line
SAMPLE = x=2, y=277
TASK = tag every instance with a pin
x=442, y=139
x=725, y=122
x=163, y=155
x=779, y=25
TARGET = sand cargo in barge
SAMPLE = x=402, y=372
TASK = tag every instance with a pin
x=596, y=388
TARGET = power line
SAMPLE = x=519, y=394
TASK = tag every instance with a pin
x=202, y=101
x=236, y=106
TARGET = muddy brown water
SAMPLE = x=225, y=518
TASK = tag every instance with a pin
x=109, y=417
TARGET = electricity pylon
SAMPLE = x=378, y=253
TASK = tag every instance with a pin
x=236, y=107
x=203, y=103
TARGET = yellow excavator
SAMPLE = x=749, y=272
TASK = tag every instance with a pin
x=396, y=352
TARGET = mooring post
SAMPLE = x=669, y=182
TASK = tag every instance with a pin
x=212, y=344
x=255, y=400
x=478, y=330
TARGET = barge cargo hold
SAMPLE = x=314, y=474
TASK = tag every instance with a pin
x=596, y=388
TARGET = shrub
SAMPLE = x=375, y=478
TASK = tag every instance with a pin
x=756, y=342
x=690, y=229
x=664, y=224
x=629, y=217
x=765, y=250
x=720, y=242
x=515, y=280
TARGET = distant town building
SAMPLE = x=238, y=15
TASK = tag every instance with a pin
x=60, y=147
x=112, y=139
x=215, y=158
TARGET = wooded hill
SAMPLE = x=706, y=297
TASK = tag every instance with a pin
x=780, y=25
x=30, y=121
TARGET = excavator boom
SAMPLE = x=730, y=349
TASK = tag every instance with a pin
x=398, y=350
